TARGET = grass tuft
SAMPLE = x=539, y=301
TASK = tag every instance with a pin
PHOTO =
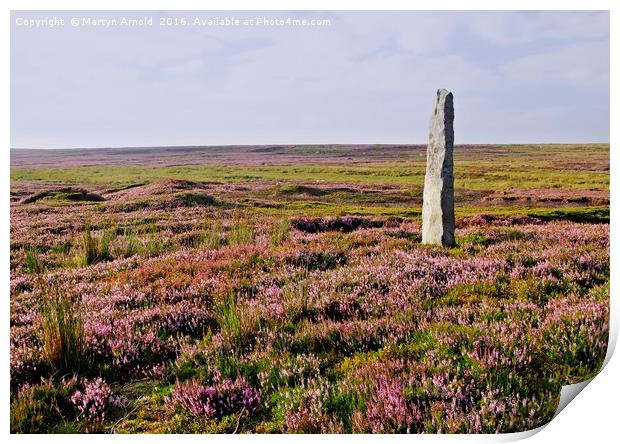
x=213, y=236
x=62, y=326
x=95, y=248
x=237, y=326
x=33, y=263
x=241, y=231
x=280, y=231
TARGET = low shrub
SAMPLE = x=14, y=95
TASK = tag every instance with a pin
x=318, y=260
x=221, y=399
x=42, y=408
x=92, y=401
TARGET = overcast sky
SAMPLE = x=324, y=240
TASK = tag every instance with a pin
x=368, y=77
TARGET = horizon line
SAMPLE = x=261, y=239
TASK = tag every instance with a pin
x=238, y=145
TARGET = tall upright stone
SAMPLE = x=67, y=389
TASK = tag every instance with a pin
x=438, y=198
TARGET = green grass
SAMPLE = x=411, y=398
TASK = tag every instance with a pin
x=320, y=189
x=241, y=231
x=584, y=215
x=212, y=237
x=398, y=174
x=33, y=263
x=522, y=170
x=237, y=326
x=280, y=231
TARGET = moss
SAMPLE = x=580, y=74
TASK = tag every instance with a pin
x=180, y=423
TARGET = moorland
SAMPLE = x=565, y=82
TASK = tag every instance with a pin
x=284, y=288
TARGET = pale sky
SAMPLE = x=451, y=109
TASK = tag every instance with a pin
x=368, y=77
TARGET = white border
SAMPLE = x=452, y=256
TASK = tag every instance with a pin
x=591, y=417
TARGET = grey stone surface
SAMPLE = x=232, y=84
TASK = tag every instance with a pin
x=438, y=198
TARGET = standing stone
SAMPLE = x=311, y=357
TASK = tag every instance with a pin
x=438, y=198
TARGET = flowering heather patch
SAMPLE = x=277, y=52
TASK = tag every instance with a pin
x=388, y=410
x=51, y=405
x=91, y=402
x=208, y=317
x=221, y=399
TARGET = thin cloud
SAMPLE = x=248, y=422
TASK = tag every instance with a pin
x=369, y=77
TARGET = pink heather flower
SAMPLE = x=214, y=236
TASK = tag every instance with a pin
x=92, y=401
x=221, y=399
